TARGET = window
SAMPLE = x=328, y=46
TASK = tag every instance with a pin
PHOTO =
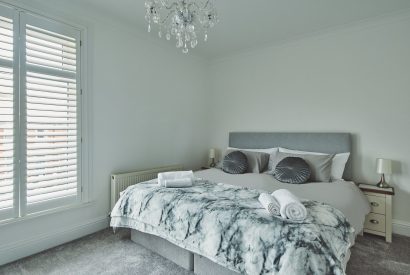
x=40, y=114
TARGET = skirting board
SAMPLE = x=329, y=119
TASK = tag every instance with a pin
x=27, y=247
x=401, y=227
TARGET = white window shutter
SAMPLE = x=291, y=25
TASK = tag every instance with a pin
x=52, y=114
x=7, y=118
x=40, y=113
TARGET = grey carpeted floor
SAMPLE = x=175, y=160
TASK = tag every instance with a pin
x=106, y=253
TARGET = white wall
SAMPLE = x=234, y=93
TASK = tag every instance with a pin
x=355, y=79
x=147, y=111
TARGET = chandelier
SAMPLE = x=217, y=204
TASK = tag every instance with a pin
x=181, y=19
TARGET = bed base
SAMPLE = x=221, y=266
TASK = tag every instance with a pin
x=178, y=255
x=182, y=257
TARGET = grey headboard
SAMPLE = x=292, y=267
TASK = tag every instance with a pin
x=331, y=143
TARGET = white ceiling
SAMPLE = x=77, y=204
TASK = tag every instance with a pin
x=250, y=23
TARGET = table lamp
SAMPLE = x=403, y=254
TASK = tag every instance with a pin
x=384, y=166
x=212, y=157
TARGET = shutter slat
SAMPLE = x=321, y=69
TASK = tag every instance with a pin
x=7, y=100
x=6, y=146
x=51, y=37
x=5, y=169
x=50, y=51
x=34, y=40
x=52, y=57
x=51, y=196
x=50, y=183
x=5, y=204
x=6, y=154
x=52, y=170
x=52, y=90
x=37, y=146
x=60, y=133
x=51, y=177
x=51, y=139
x=50, y=64
x=8, y=196
x=5, y=36
x=45, y=152
x=41, y=95
x=6, y=162
x=6, y=189
x=10, y=85
x=50, y=127
x=49, y=83
x=51, y=115
x=6, y=92
x=36, y=159
x=52, y=189
x=53, y=164
x=50, y=102
x=46, y=79
x=5, y=183
x=41, y=121
x=38, y=104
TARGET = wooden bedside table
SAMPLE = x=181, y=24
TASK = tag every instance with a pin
x=379, y=220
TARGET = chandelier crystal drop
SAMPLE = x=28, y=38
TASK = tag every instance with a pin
x=182, y=19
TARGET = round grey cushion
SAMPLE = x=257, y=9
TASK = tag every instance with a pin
x=235, y=163
x=292, y=170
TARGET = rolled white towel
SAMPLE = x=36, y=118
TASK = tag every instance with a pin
x=187, y=182
x=290, y=206
x=269, y=203
x=177, y=175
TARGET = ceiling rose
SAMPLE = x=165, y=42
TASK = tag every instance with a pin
x=182, y=19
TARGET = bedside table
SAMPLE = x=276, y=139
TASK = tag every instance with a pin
x=379, y=220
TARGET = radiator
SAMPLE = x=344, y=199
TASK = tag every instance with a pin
x=120, y=182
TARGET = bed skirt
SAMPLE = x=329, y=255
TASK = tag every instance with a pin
x=182, y=257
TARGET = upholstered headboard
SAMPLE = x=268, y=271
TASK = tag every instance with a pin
x=331, y=143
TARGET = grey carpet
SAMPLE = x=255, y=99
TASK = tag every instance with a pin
x=106, y=253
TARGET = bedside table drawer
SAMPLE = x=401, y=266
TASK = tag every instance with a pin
x=378, y=204
x=375, y=222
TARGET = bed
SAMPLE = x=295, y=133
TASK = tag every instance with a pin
x=342, y=195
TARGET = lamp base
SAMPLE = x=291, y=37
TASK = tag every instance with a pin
x=382, y=183
x=213, y=164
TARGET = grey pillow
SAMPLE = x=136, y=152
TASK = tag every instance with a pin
x=320, y=165
x=257, y=161
x=235, y=163
x=292, y=170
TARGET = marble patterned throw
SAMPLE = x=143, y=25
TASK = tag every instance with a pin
x=228, y=225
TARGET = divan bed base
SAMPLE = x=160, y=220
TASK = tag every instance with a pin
x=178, y=255
x=182, y=257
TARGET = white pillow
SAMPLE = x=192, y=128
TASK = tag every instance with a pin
x=338, y=162
x=271, y=151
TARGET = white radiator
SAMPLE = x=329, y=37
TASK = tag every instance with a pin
x=120, y=182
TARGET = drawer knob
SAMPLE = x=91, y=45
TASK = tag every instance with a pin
x=375, y=204
x=374, y=221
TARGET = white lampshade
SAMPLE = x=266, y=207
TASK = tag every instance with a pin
x=211, y=153
x=384, y=166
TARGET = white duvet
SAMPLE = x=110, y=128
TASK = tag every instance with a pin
x=343, y=195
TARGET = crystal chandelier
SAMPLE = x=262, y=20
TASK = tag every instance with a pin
x=181, y=19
